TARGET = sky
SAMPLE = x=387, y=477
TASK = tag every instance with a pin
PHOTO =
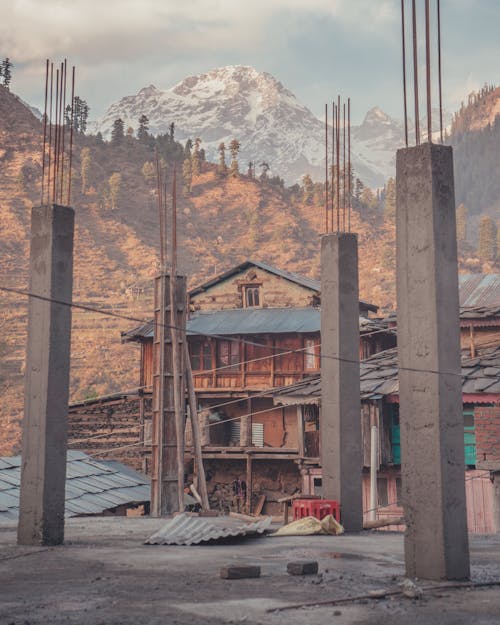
x=316, y=48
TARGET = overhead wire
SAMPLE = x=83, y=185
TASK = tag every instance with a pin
x=217, y=336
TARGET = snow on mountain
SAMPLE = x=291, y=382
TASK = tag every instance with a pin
x=268, y=120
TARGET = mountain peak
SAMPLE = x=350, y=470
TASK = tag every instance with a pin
x=148, y=91
x=377, y=116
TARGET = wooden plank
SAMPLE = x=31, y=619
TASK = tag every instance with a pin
x=249, y=483
x=300, y=430
x=260, y=504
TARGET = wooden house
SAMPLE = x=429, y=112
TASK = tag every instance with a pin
x=380, y=407
x=252, y=329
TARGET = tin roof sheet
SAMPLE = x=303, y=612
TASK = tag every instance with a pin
x=185, y=529
x=247, y=321
x=91, y=486
x=479, y=290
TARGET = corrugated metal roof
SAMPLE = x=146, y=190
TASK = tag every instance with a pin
x=241, y=321
x=379, y=377
x=255, y=321
x=185, y=529
x=91, y=486
x=479, y=290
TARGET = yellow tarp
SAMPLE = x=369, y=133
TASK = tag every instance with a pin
x=309, y=526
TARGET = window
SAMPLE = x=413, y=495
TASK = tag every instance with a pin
x=228, y=355
x=201, y=356
x=252, y=296
x=311, y=360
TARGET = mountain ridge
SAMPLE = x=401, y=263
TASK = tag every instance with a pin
x=271, y=124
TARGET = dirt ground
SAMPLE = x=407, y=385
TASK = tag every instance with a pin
x=105, y=575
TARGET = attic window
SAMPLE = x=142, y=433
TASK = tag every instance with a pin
x=251, y=296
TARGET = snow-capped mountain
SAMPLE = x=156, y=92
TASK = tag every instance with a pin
x=267, y=119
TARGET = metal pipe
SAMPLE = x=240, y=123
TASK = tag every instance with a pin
x=373, y=473
x=415, y=73
x=439, y=71
x=404, y=69
x=428, y=69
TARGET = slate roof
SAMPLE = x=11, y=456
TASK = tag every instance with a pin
x=241, y=321
x=91, y=486
x=379, y=377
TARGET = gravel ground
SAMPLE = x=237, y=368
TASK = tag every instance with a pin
x=105, y=575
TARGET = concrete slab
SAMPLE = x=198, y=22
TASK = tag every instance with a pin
x=104, y=574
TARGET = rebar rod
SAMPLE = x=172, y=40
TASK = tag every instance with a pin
x=439, y=71
x=404, y=70
x=349, y=164
x=56, y=107
x=71, y=133
x=428, y=69
x=338, y=163
x=415, y=73
x=326, y=167
x=343, y=177
x=63, y=128
x=44, y=126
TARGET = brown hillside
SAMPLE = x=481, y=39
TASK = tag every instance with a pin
x=223, y=222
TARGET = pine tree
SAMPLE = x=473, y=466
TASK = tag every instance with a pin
x=390, y=200
x=117, y=132
x=264, y=169
x=461, y=223
x=234, y=148
x=187, y=177
x=222, y=167
x=251, y=170
x=308, y=189
x=85, y=164
x=149, y=173
x=115, y=181
x=5, y=72
x=187, y=149
x=142, y=131
x=171, y=130
x=487, y=239
x=196, y=158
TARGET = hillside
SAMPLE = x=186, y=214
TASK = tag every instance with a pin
x=223, y=221
x=475, y=137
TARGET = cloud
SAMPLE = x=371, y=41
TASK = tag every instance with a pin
x=121, y=30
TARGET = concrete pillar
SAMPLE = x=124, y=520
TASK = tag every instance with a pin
x=430, y=385
x=340, y=395
x=43, y=473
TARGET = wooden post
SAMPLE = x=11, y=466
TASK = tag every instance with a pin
x=249, y=483
x=193, y=410
x=472, y=342
x=246, y=426
x=178, y=338
x=300, y=431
